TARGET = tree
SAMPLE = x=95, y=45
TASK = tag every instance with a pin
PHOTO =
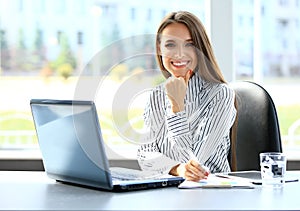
x=21, y=61
x=21, y=40
x=37, y=58
x=38, y=40
x=65, y=58
x=5, y=56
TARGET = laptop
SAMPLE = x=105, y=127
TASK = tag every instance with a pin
x=73, y=149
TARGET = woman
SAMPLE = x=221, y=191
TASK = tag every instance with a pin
x=190, y=115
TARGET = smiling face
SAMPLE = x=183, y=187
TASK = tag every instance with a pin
x=177, y=50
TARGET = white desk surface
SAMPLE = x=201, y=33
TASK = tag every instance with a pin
x=35, y=191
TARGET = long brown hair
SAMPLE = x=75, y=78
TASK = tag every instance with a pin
x=207, y=65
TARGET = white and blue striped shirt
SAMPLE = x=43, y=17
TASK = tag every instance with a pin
x=201, y=130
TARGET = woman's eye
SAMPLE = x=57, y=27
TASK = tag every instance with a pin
x=190, y=44
x=169, y=45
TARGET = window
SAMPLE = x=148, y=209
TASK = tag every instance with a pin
x=79, y=38
x=64, y=49
x=65, y=43
x=39, y=7
x=21, y=5
x=60, y=7
x=149, y=14
x=80, y=7
x=283, y=3
x=280, y=62
x=58, y=37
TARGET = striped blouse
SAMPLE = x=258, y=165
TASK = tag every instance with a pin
x=201, y=130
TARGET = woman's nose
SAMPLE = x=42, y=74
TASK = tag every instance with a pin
x=179, y=52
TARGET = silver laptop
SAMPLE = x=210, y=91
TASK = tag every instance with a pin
x=73, y=150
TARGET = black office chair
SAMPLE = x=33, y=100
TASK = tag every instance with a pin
x=257, y=128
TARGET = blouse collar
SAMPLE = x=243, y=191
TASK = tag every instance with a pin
x=195, y=86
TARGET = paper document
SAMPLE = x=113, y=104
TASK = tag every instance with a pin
x=213, y=181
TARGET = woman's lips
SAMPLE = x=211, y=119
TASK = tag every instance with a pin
x=179, y=64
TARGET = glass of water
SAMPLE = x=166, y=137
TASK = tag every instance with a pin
x=273, y=168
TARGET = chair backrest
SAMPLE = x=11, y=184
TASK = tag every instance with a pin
x=257, y=125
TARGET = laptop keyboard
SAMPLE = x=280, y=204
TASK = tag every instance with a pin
x=120, y=173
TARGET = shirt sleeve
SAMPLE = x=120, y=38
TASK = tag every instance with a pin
x=168, y=141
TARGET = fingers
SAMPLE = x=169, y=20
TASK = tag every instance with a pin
x=176, y=91
x=188, y=75
x=194, y=171
x=173, y=82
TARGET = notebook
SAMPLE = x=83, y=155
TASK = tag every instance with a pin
x=73, y=149
x=213, y=181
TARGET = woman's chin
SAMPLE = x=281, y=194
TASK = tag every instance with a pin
x=178, y=76
x=181, y=74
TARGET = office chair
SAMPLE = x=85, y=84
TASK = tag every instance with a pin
x=257, y=128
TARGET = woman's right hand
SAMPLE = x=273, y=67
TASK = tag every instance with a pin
x=191, y=170
x=176, y=91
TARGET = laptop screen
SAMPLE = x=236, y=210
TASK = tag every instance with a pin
x=70, y=141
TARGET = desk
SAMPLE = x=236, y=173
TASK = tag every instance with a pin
x=35, y=191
